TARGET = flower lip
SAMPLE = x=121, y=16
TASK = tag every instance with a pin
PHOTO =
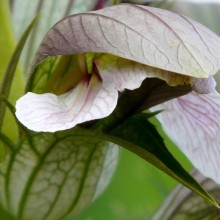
x=94, y=97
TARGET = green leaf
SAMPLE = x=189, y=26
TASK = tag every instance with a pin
x=5, y=215
x=7, y=46
x=115, y=2
x=57, y=74
x=139, y=136
x=51, y=176
x=41, y=74
x=136, y=191
x=7, y=40
x=10, y=72
x=7, y=142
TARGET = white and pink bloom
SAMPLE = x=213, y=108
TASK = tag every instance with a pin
x=135, y=43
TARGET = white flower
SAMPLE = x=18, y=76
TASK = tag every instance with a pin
x=145, y=42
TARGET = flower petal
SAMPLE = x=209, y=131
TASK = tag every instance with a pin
x=193, y=123
x=151, y=36
x=48, y=112
x=89, y=101
x=204, y=86
x=128, y=74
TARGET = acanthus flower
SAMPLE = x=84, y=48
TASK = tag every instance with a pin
x=144, y=42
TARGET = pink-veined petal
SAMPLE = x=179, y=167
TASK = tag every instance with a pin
x=50, y=113
x=151, y=36
x=193, y=123
x=91, y=99
x=127, y=74
x=204, y=86
x=94, y=100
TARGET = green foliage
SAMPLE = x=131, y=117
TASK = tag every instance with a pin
x=68, y=167
x=139, y=136
x=7, y=45
x=10, y=72
x=135, y=192
x=42, y=73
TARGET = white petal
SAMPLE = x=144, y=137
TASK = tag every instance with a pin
x=193, y=123
x=204, y=86
x=48, y=112
x=148, y=35
x=127, y=74
x=51, y=113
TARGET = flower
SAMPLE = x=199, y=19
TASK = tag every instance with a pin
x=167, y=46
x=95, y=96
x=192, y=121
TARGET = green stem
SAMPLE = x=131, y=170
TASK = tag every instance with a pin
x=9, y=75
x=7, y=45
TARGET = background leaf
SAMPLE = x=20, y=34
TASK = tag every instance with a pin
x=134, y=193
x=184, y=204
x=55, y=175
x=10, y=72
x=7, y=45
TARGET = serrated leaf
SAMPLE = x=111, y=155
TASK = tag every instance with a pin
x=139, y=136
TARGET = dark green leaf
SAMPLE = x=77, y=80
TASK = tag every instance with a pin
x=139, y=136
x=153, y=91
